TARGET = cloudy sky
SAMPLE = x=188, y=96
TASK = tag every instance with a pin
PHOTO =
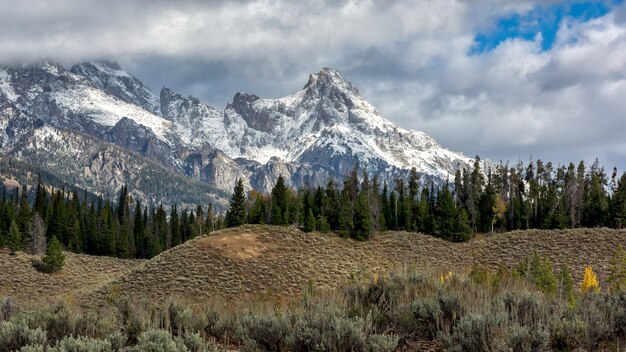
x=505, y=79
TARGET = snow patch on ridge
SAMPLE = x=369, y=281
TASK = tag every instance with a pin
x=107, y=110
x=6, y=87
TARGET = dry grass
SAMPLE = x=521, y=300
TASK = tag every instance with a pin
x=81, y=273
x=267, y=261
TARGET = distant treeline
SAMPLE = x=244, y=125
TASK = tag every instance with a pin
x=124, y=229
x=538, y=195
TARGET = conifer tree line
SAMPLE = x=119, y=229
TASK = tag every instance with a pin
x=534, y=196
x=124, y=229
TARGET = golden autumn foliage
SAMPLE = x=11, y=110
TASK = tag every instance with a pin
x=590, y=281
x=443, y=278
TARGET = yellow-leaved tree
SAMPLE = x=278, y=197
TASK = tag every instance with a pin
x=590, y=281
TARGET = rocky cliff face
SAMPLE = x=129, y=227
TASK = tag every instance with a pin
x=309, y=137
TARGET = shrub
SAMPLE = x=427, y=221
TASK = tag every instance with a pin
x=81, y=344
x=451, y=310
x=567, y=334
x=267, y=331
x=17, y=334
x=566, y=285
x=8, y=308
x=158, y=341
x=527, y=338
x=426, y=313
x=526, y=308
x=474, y=332
x=57, y=321
x=131, y=321
x=617, y=270
x=382, y=343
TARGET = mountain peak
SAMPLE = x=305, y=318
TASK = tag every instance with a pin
x=329, y=78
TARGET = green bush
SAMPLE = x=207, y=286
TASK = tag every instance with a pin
x=17, y=334
x=8, y=308
x=527, y=338
x=474, y=332
x=267, y=331
x=382, y=343
x=158, y=341
x=81, y=344
x=57, y=321
x=33, y=348
x=427, y=314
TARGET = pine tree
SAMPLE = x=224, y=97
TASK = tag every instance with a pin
x=161, y=228
x=54, y=258
x=175, y=235
x=412, y=205
x=41, y=199
x=139, y=232
x=236, y=214
x=74, y=241
x=384, y=206
x=463, y=227
x=392, y=218
x=446, y=215
x=346, y=221
x=331, y=211
x=362, y=222
x=323, y=224
x=57, y=224
x=121, y=244
x=14, y=237
x=279, y=202
x=542, y=274
x=257, y=211
x=309, y=221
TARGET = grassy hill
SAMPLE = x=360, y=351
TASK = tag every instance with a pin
x=278, y=261
x=81, y=273
x=257, y=261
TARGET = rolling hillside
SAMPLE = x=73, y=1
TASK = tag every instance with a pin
x=258, y=261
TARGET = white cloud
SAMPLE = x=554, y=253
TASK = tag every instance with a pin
x=410, y=58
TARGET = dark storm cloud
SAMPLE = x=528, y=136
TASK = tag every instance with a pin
x=409, y=58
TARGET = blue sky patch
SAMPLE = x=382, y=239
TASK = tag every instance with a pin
x=544, y=19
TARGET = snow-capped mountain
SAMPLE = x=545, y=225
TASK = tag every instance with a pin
x=311, y=136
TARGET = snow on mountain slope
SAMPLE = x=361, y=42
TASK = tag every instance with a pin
x=313, y=135
x=107, y=110
x=5, y=86
x=330, y=114
x=109, y=77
